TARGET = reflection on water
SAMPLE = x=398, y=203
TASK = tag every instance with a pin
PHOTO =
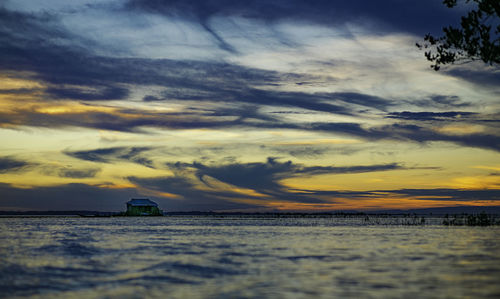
x=206, y=257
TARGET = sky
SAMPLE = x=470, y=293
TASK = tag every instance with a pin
x=256, y=105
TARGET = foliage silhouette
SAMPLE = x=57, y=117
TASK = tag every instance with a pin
x=478, y=38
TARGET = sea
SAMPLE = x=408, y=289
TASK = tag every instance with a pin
x=246, y=257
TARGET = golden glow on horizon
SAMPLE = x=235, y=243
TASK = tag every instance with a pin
x=476, y=182
x=363, y=204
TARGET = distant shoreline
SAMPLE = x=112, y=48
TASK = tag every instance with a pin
x=406, y=219
x=493, y=210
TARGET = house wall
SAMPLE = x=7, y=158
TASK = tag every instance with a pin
x=141, y=210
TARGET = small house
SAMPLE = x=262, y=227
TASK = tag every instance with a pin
x=142, y=207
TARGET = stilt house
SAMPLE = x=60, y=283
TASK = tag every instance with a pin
x=142, y=207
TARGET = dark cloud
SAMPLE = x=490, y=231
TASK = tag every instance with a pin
x=426, y=116
x=440, y=102
x=41, y=45
x=422, y=134
x=20, y=91
x=416, y=17
x=193, y=198
x=487, y=77
x=234, y=93
x=128, y=120
x=66, y=197
x=77, y=75
x=151, y=99
x=9, y=164
x=315, y=102
x=342, y=128
x=449, y=101
x=103, y=198
x=68, y=171
x=107, y=155
x=37, y=46
x=78, y=173
x=339, y=103
x=132, y=120
x=410, y=132
x=265, y=177
x=362, y=100
x=98, y=155
x=99, y=93
x=348, y=169
x=301, y=151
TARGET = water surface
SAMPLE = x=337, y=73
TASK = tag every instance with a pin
x=244, y=257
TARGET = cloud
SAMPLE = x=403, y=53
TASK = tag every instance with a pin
x=98, y=155
x=41, y=45
x=72, y=73
x=20, y=91
x=192, y=197
x=332, y=13
x=107, y=155
x=316, y=170
x=302, y=151
x=441, y=102
x=95, y=94
x=324, y=102
x=69, y=197
x=450, y=194
x=132, y=120
x=104, y=198
x=9, y=164
x=314, y=150
x=485, y=77
x=438, y=194
x=410, y=132
x=265, y=177
x=78, y=173
x=54, y=169
x=363, y=100
x=194, y=183
x=124, y=120
x=422, y=134
x=429, y=116
x=89, y=77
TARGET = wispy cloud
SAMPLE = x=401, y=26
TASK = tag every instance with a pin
x=425, y=116
x=264, y=178
x=11, y=164
x=69, y=172
x=107, y=155
x=218, y=82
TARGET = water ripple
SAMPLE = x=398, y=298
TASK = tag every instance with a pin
x=203, y=257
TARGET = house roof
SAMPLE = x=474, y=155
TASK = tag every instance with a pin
x=141, y=202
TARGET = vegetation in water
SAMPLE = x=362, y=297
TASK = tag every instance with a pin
x=481, y=219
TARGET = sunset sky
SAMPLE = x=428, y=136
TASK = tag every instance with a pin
x=256, y=105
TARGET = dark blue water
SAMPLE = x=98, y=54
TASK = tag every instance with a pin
x=208, y=257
